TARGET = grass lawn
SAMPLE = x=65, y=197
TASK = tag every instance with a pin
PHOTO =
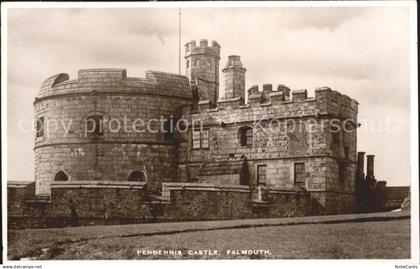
x=361, y=240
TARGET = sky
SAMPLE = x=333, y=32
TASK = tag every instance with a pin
x=362, y=52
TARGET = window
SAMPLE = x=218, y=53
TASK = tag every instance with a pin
x=61, y=176
x=205, y=139
x=40, y=127
x=341, y=171
x=246, y=136
x=136, y=176
x=197, y=62
x=200, y=139
x=169, y=126
x=94, y=125
x=262, y=174
x=196, y=139
x=188, y=64
x=299, y=175
x=209, y=62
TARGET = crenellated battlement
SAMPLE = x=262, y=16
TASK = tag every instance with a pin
x=285, y=102
x=191, y=48
x=111, y=80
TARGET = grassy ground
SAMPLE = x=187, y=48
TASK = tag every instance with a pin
x=372, y=239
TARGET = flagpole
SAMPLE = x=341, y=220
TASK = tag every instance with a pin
x=179, y=41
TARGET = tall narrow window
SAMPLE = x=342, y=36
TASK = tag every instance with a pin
x=262, y=174
x=196, y=139
x=341, y=171
x=136, y=176
x=40, y=127
x=169, y=127
x=61, y=176
x=205, y=139
x=246, y=136
x=299, y=175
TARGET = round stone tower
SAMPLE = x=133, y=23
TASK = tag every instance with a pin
x=234, y=78
x=202, y=68
x=105, y=126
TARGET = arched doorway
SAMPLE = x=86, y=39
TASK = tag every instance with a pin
x=136, y=176
x=61, y=176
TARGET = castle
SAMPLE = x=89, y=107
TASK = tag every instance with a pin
x=271, y=152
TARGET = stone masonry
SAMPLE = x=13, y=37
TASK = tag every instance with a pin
x=111, y=95
x=265, y=152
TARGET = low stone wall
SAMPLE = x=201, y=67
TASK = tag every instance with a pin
x=198, y=201
x=77, y=203
x=391, y=198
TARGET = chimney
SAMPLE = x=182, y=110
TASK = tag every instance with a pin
x=370, y=167
x=360, y=165
x=234, y=78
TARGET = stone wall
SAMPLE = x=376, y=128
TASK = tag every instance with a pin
x=111, y=202
x=330, y=162
x=391, y=198
x=125, y=105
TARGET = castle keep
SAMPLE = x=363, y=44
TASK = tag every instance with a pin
x=265, y=152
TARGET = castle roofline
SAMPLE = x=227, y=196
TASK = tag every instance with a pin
x=115, y=79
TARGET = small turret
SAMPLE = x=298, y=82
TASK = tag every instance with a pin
x=202, y=68
x=234, y=78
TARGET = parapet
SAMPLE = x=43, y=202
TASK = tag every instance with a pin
x=115, y=80
x=51, y=82
x=87, y=184
x=170, y=83
x=191, y=48
x=234, y=62
x=326, y=97
x=268, y=94
x=291, y=103
x=299, y=95
x=102, y=73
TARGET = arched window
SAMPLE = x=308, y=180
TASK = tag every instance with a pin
x=61, y=176
x=246, y=136
x=136, y=176
x=40, y=127
x=94, y=125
